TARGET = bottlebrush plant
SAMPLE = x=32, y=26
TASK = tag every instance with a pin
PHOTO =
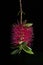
x=22, y=36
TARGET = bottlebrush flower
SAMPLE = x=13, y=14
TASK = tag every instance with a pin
x=21, y=33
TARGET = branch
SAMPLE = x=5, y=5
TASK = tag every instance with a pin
x=20, y=12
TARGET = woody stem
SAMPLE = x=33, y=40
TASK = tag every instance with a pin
x=20, y=12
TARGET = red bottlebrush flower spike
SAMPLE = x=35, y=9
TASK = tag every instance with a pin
x=21, y=36
x=22, y=33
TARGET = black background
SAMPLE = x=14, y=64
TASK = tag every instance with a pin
x=8, y=16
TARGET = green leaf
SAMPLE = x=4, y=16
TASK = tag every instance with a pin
x=15, y=47
x=28, y=24
x=28, y=50
x=20, y=47
x=15, y=51
x=24, y=44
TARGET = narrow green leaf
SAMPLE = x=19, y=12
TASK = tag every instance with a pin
x=28, y=24
x=20, y=47
x=14, y=52
x=24, y=44
x=28, y=49
x=17, y=50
